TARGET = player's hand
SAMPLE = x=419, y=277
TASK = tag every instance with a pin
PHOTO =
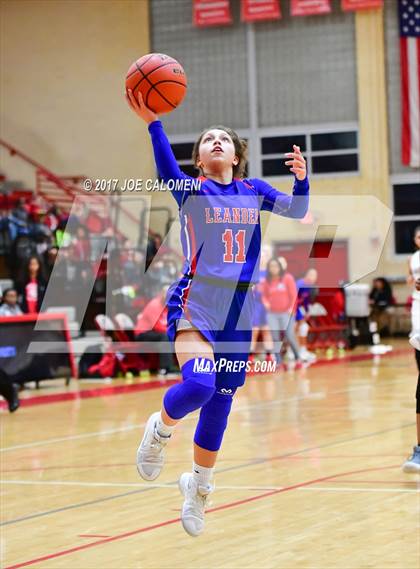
x=139, y=107
x=417, y=284
x=297, y=163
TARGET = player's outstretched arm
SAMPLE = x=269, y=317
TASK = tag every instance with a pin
x=295, y=205
x=166, y=163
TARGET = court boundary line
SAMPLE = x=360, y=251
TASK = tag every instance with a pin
x=179, y=461
x=250, y=463
x=172, y=521
x=172, y=485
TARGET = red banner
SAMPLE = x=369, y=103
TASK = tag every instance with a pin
x=211, y=13
x=309, y=7
x=353, y=5
x=257, y=10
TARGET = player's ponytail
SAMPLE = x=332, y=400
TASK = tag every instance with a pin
x=243, y=159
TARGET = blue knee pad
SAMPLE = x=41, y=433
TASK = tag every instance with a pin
x=213, y=421
x=197, y=387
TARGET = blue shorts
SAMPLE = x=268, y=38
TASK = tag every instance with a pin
x=223, y=315
x=299, y=314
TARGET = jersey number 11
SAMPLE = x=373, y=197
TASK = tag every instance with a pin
x=239, y=239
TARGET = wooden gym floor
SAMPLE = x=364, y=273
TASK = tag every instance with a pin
x=309, y=476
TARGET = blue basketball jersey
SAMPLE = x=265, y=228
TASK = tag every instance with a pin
x=220, y=223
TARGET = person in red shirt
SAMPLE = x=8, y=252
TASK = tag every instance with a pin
x=151, y=327
x=80, y=247
x=279, y=294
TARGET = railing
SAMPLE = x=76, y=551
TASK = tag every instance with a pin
x=62, y=191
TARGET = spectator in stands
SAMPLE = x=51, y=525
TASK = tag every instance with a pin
x=169, y=270
x=49, y=259
x=63, y=233
x=81, y=245
x=134, y=266
x=18, y=220
x=9, y=305
x=42, y=237
x=20, y=212
x=279, y=295
x=381, y=299
x=34, y=209
x=151, y=327
x=160, y=273
x=31, y=285
x=154, y=241
x=122, y=293
x=52, y=218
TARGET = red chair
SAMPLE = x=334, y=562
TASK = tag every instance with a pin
x=124, y=348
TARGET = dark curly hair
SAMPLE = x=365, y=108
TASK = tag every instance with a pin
x=269, y=277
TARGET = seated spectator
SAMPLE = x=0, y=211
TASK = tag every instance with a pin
x=154, y=241
x=380, y=299
x=151, y=327
x=52, y=218
x=133, y=266
x=49, y=257
x=63, y=236
x=20, y=212
x=42, y=238
x=9, y=305
x=80, y=246
x=18, y=220
x=32, y=286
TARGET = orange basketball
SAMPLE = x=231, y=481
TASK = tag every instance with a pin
x=160, y=79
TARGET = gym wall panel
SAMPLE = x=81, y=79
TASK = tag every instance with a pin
x=63, y=65
x=307, y=69
x=215, y=62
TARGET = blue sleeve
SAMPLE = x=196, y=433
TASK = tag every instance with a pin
x=166, y=163
x=295, y=205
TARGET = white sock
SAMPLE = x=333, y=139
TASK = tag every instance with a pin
x=163, y=429
x=202, y=475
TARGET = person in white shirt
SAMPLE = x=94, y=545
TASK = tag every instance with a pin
x=9, y=305
x=412, y=464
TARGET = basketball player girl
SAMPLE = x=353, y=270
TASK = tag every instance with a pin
x=412, y=464
x=210, y=307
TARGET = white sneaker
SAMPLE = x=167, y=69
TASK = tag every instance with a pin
x=412, y=464
x=192, y=514
x=307, y=356
x=150, y=454
x=290, y=355
x=415, y=341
